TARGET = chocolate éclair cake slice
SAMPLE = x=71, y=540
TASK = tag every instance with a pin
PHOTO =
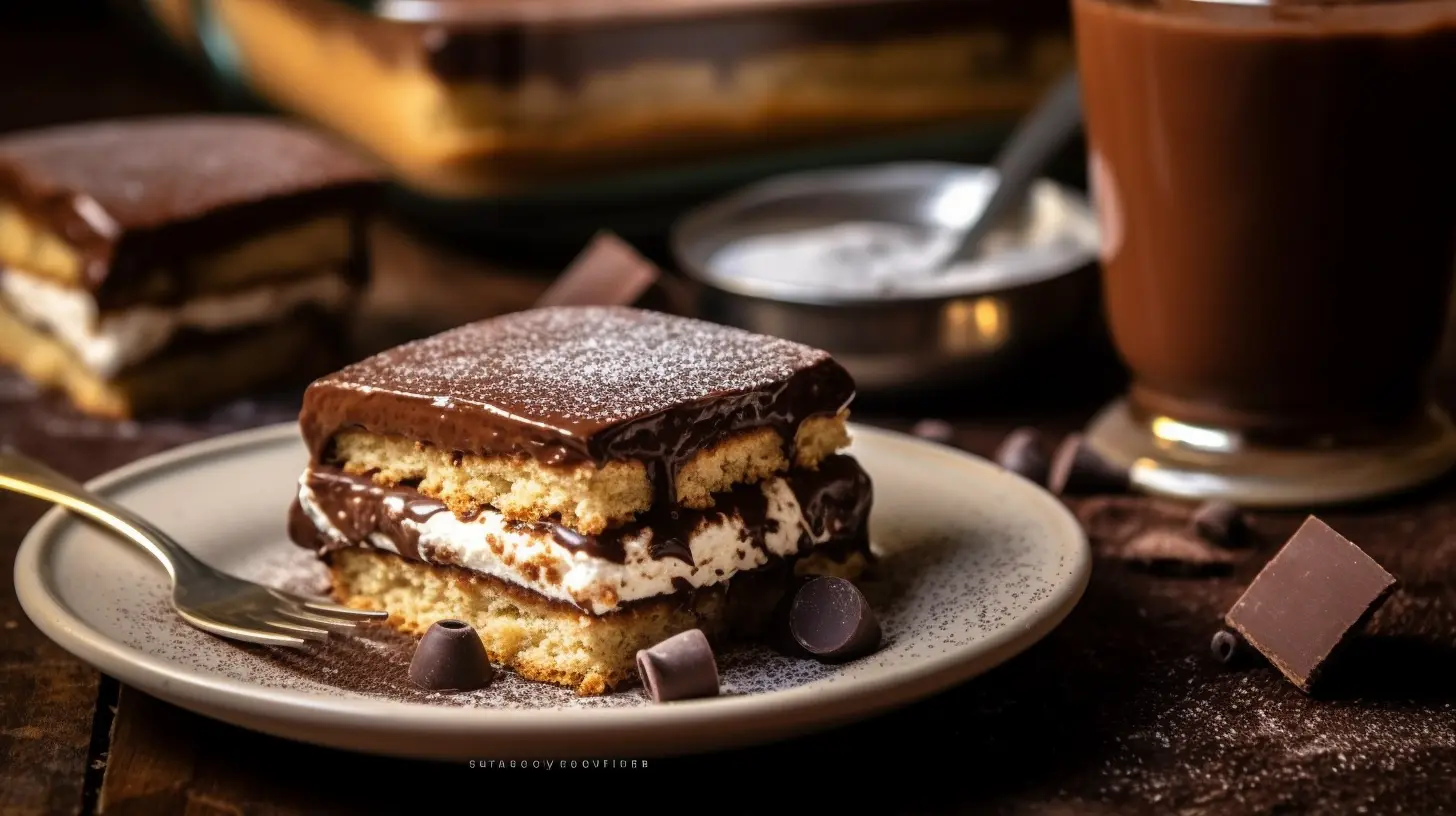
x=582, y=482
x=162, y=263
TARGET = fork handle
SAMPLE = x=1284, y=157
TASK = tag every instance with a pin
x=26, y=476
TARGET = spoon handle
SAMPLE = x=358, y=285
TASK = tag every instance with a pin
x=1034, y=143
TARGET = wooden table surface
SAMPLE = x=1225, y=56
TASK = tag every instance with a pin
x=1120, y=710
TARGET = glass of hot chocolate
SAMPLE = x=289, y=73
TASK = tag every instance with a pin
x=1276, y=185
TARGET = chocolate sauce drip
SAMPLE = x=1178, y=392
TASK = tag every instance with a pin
x=301, y=529
x=835, y=497
x=565, y=536
x=670, y=547
x=682, y=585
x=835, y=500
x=358, y=508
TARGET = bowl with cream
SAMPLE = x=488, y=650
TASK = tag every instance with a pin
x=858, y=262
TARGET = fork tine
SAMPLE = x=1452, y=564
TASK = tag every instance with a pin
x=307, y=632
x=265, y=637
x=304, y=616
x=329, y=608
x=325, y=607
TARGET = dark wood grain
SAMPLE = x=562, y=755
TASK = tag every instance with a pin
x=47, y=699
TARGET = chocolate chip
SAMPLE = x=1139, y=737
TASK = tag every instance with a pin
x=450, y=657
x=831, y=619
x=1226, y=647
x=1077, y=469
x=679, y=668
x=778, y=634
x=1173, y=553
x=1221, y=522
x=935, y=430
x=1229, y=648
x=1023, y=452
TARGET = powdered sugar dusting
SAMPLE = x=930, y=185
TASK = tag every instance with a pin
x=583, y=365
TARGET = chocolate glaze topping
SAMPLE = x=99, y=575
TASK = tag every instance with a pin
x=135, y=195
x=567, y=385
x=358, y=508
x=835, y=498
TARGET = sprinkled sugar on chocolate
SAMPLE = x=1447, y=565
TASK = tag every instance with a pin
x=569, y=384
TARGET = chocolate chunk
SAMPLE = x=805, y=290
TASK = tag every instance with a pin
x=1077, y=469
x=831, y=619
x=934, y=430
x=450, y=657
x=1221, y=522
x=679, y=668
x=1023, y=452
x=1316, y=591
x=1171, y=552
x=609, y=272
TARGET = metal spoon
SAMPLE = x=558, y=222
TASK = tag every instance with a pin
x=1035, y=142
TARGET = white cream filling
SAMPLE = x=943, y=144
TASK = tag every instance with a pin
x=108, y=343
x=533, y=559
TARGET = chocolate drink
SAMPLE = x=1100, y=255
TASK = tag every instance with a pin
x=1277, y=187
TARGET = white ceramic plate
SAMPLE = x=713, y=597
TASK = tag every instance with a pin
x=978, y=565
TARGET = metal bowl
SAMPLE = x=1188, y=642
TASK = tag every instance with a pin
x=951, y=336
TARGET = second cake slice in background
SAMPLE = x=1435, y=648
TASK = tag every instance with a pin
x=160, y=264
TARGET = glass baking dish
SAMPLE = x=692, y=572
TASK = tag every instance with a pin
x=472, y=98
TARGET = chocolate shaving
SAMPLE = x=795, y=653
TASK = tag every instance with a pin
x=1078, y=469
x=1023, y=452
x=1221, y=523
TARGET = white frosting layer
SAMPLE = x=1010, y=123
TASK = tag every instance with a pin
x=533, y=559
x=107, y=343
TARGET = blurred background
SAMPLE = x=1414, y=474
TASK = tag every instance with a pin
x=647, y=112
x=515, y=131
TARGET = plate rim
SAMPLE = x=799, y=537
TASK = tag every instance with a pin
x=812, y=708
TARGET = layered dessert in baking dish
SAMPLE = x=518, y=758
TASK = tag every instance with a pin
x=479, y=96
x=163, y=263
x=579, y=483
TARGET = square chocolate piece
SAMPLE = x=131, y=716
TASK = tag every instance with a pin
x=610, y=272
x=1308, y=599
